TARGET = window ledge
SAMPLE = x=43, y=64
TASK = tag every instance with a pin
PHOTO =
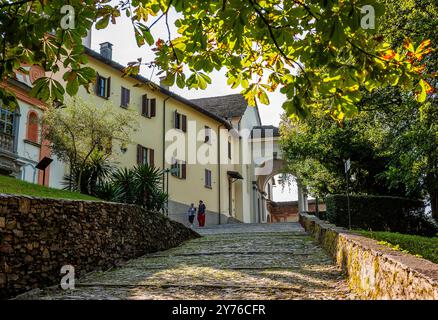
x=36, y=144
x=208, y=187
x=180, y=178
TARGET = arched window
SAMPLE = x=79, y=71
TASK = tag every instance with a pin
x=32, y=126
x=8, y=126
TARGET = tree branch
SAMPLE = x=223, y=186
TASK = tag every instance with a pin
x=369, y=53
x=158, y=19
x=168, y=31
x=306, y=7
x=271, y=34
x=11, y=4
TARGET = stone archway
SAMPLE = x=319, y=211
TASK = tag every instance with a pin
x=268, y=162
x=264, y=203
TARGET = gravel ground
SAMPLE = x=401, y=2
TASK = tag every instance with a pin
x=237, y=261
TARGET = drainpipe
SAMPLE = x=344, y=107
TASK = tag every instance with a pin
x=254, y=183
x=164, y=134
x=164, y=155
x=219, y=169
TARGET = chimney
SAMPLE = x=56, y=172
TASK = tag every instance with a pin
x=162, y=85
x=106, y=50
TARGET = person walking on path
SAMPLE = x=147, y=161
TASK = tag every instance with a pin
x=191, y=214
x=201, y=213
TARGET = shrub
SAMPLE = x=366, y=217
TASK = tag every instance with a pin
x=320, y=215
x=417, y=245
x=147, y=182
x=108, y=191
x=139, y=185
x=381, y=213
x=122, y=180
x=86, y=178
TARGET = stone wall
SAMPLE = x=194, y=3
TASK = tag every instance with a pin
x=287, y=211
x=39, y=236
x=291, y=207
x=375, y=271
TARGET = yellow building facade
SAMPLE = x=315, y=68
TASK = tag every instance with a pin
x=207, y=169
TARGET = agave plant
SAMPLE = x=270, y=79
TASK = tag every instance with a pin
x=94, y=173
x=139, y=185
x=147, y=181
x=123, y=181
x=159, y=200
x=108, y=191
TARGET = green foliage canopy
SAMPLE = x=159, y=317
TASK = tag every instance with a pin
x=315, y=150
x=314, y=51
x=392, y=141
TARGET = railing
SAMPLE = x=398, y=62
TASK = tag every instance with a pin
x=6, y=142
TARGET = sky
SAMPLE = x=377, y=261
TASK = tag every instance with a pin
x=125, y=50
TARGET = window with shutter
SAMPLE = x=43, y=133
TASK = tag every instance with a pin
x=145, y=106
x=207, y=133
x=139, y=154
x=179, y=169
x=207, y=178
x=125, y=97
x=151, y=157
x=153, y=107
x=184, y=123
x=176, y=121
x=173, y=167
x=98, y=84
x=145, y=155
x=183, y=170
x=108, y=87
x=103, y=86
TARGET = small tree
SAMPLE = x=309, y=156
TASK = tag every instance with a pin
x=81, y=132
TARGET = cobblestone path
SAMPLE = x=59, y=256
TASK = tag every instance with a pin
x=238, y=261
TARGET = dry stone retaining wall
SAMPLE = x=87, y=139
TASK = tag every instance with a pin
x=375, y=271
x=39, y=236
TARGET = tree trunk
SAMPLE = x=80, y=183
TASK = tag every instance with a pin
x=434, y=204
x=79, y=182
x=432, y=189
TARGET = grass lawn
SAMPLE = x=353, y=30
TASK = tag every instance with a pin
x=424, y=247
x=14, y=186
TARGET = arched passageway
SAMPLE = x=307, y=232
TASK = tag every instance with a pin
x=282, y=198
x=270, y=211
x=268, y=162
